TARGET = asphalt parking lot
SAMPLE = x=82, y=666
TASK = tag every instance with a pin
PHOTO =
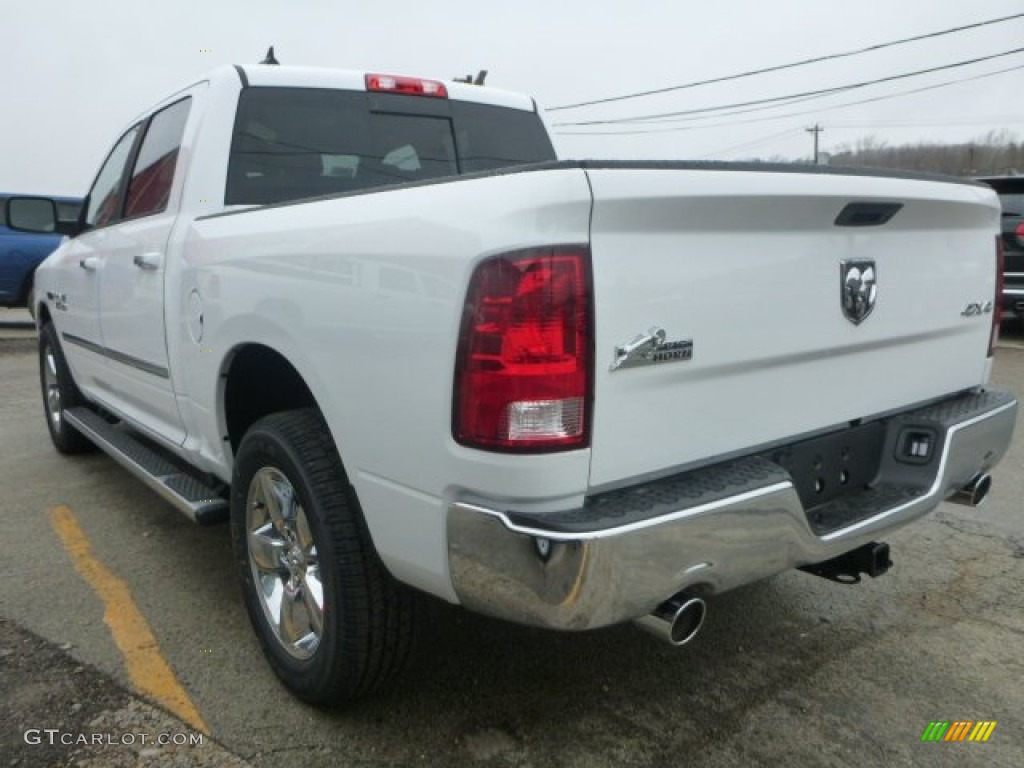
x=793, y=671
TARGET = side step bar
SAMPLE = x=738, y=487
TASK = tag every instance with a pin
x=200, y=502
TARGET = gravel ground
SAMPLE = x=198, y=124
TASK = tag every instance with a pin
x=46, y=689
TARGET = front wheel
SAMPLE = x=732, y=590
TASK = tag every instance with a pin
x=59, y=394
x=333, y=623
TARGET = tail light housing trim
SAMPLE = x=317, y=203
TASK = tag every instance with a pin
x=997, y=303
x=524, y=366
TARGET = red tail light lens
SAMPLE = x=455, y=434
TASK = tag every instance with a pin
x=997, y=304
x=413, y=86
x=523, y=370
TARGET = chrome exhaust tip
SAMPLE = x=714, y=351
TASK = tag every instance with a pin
x=676, y=621
x=974, y=493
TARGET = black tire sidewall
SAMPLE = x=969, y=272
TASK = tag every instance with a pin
x=65, y=437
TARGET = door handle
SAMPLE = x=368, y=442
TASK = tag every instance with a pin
x=148, y=261
x=90, y=263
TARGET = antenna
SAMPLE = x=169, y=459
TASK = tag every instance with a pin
x=478, y=80
x=270, y=57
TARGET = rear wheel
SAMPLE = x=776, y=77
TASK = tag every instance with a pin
x=59, y=394
x=333, y=623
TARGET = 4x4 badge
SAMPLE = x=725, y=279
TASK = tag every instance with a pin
x=858, y=287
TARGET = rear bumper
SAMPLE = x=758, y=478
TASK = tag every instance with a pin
x=623, y=553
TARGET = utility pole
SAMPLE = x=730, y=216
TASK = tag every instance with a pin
x=815, y=130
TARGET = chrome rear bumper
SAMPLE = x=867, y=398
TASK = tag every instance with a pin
x=625, y=552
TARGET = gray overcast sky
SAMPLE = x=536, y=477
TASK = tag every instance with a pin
x=76, y=73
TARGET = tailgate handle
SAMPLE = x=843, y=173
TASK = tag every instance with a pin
x=867, y=214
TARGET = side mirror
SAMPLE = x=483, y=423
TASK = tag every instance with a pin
x=39, y=215
x=32, y=214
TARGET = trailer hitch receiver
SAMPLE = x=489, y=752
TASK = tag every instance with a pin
x=871, y=559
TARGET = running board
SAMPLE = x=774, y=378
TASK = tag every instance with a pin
x=200, y=502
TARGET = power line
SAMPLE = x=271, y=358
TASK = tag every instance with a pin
x=978, y=120
x=790, y=114
x=748, y=144
x=789, y=98
x=780, y=67
x=817, y=110
x=784, y=102
x=981, y=120
x=817, y=93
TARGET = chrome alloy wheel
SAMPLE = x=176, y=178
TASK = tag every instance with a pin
x=284, y=563
x=51, y=387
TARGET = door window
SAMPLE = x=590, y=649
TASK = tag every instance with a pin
x=150, y=187
x=105, y=196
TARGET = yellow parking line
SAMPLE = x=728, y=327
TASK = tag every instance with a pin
x=581, y=572
x=147, y=668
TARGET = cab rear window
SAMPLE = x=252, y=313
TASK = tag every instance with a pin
x=292, y=143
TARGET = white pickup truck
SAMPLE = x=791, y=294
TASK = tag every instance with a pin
x=376, y=321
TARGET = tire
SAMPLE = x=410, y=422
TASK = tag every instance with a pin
x=59, y=394
x=333, y=623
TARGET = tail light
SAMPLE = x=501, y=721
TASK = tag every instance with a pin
x=523, y=372
x=413, y=86
x=997, y=304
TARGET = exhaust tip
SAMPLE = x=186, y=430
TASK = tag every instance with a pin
x=687, y=621
x=676, y=621
x=975, y=492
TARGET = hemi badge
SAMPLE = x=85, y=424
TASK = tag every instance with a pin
x=651, y=348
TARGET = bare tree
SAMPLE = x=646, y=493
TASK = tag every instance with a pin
x=995, y=153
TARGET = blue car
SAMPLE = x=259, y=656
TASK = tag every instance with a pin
x=22, y=252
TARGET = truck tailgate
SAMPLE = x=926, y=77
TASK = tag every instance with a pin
x=747, y=265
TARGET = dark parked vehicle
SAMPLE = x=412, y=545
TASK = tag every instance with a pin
x=1011, y=195
x=21, y=252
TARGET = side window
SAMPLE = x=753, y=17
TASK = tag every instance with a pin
x=150, y=185
x=106, y=190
